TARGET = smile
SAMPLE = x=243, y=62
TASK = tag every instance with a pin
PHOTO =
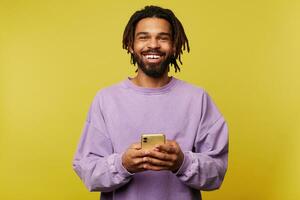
x=151, y=56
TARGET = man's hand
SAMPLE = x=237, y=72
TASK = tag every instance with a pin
x=164, y=157
x=132, y=158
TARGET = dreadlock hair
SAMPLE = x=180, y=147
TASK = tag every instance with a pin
x=179, y=38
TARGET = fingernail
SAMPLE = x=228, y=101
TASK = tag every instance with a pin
x=156, y=149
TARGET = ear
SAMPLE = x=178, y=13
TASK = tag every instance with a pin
x=130, y=49
x=174, y=50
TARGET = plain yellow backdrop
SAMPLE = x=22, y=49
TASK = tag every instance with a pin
x=55, y=56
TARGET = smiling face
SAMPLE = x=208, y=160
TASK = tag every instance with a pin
x=153, y=46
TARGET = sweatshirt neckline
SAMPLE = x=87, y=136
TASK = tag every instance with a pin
x=160, y=90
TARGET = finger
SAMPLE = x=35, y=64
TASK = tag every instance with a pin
x=141, y=167
x=138, y=168
x=167, y=148
x=161, y=155
x=138, y=161
x=157, y=162
x=154, y=168
x=135, y=146
x=138, y=153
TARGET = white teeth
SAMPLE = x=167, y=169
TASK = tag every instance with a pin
x=152, y=56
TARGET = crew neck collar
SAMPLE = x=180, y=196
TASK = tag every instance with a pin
x=160, y=90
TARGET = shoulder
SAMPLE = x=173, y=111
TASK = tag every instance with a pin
x=110, y=90
x=197, y=95
x=109, y=93
x=190, y=89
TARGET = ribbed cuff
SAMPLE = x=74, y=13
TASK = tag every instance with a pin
x=187, y=160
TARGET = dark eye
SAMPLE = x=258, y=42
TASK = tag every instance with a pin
x=164, y=38
x=143, y=37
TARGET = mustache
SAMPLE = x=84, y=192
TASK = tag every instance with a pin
x=152, y=51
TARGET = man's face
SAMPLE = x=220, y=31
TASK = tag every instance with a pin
x=153, y=47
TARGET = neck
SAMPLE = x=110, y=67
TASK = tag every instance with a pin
x=146, y=81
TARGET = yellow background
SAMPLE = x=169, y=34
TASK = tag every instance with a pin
x=55, y=56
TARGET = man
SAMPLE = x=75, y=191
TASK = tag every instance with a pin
x=109, y=157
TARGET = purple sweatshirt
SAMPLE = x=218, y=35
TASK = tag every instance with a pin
x=119, y=115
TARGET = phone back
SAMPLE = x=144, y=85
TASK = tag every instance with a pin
x=148, y=141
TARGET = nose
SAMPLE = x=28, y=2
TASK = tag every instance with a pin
x=153, y=43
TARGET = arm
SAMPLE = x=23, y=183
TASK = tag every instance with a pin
x=205, y=167
x=95, y=162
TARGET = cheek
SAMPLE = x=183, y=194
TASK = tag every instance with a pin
x=167, y=47
x=138, y=46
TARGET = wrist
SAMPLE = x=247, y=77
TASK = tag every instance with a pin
x=179, y=162
x=124, y=164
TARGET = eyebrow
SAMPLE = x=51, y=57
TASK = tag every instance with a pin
x=147, y=33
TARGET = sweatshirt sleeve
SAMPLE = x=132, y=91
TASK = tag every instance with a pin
x=95, y=162
x=204, y=168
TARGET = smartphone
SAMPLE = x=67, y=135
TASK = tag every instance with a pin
x=148, y=141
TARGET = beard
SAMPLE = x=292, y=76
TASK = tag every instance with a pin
x=153, y=70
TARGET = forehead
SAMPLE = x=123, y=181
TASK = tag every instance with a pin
x=153, y=25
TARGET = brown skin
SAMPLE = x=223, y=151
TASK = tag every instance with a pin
x=132, y=158
x=163, y=157
x=153, y=33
